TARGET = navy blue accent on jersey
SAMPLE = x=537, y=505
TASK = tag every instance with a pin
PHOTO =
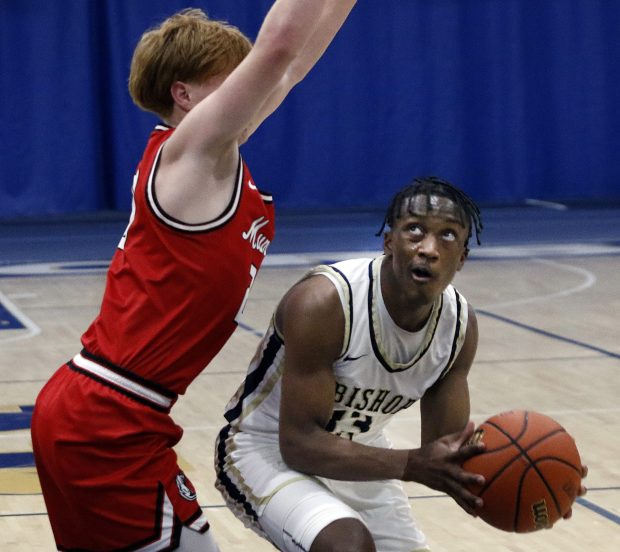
x=437, y=318
x=231, y=489
x=252, y=381
x=371, y=326
x=457, y=332
x=373, y=339
x=346, y=345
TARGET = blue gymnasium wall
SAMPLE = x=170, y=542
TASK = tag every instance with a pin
x=510, y=99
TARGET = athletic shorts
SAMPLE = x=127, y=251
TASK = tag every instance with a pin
x=290, y=509
x=104, y=457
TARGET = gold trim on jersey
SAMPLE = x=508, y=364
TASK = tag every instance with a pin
x=375, y=329
x=344, y=290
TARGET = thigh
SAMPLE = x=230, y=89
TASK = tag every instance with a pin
x=297, y=513
x=384, y=507
x=111, y=481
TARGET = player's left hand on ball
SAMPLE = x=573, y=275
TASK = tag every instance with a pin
x=582, y=491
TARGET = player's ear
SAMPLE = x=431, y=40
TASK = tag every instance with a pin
x=181, y=95
x=387, y=243
x=463, y=258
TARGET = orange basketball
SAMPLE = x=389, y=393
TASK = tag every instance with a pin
x=532, y=470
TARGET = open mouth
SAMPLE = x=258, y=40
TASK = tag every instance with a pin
x=422, y=273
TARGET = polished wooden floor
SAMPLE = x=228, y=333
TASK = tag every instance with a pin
x=549, y=318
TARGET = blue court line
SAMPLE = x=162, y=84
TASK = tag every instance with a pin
x=10, y=421
x=598, y=510
x=549, y=334
x=250, y=329
x=16, y=460
x=7, y=320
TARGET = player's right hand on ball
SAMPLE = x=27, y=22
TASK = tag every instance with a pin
x=438, y=466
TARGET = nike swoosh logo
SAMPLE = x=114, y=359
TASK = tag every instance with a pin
x=351, y=359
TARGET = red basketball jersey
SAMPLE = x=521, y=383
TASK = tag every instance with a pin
x=174, y=290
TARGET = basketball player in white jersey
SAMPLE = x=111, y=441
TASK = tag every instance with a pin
x=304, y=460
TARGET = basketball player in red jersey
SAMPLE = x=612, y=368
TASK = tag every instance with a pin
x=198, y=232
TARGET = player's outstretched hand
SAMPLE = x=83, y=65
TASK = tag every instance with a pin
x=438, y=466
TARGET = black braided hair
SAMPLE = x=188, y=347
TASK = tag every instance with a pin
x=434, y=186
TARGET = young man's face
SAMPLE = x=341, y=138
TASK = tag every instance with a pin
x=426, y=245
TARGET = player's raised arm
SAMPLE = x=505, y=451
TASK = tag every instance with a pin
x=333, y=16
x=213, y=116
x=294, y=34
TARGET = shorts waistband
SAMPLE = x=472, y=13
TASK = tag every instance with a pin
x=137, y=390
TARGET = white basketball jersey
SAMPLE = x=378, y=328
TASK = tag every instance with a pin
x=382, y=368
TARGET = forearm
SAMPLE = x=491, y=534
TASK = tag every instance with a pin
x=289, y=24
x=329, y=22
x=327, y=455
x=333, y=16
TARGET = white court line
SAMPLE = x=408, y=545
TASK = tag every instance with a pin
x=533, y=251
x=32, y=328
x=589, y=281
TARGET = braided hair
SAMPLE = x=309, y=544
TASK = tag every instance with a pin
x=433, y=186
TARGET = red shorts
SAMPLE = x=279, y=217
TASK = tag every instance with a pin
x=107, y=469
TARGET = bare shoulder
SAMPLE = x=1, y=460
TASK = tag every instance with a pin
x=312, y=311
x=472, y=318
x=314, y=295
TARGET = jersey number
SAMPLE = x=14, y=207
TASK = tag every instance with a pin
x=348, y=423
x=253, y=271
x=121, y=244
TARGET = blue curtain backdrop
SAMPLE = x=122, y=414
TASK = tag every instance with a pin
x=511, y=99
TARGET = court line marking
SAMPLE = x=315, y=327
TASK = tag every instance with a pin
x=548, y=334
x=599, y=510
x=589, y=280
x=31, y=327
x=283, y=260
x=607, y=514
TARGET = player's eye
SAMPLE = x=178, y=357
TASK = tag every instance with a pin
x=449, y=235
x=416, y=230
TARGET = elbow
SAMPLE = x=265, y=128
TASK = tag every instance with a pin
x=281, y=43
x=292, y=452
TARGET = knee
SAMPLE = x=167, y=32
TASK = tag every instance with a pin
x=344, y=535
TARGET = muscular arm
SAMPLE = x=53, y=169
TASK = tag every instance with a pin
x=311, y=319
x=332, y=18
x=199, y=162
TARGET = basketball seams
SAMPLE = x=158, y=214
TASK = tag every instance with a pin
x=523, y=452
x=550, y=490
x=530, y=462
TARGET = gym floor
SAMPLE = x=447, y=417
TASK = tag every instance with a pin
x=544, y=284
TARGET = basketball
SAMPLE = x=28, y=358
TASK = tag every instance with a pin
x=532, y=470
